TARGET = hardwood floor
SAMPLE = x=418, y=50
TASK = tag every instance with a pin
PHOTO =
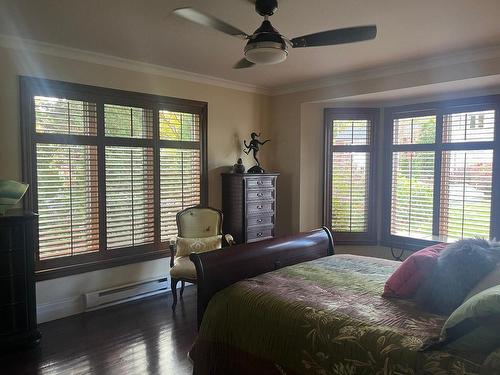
x=140, y=337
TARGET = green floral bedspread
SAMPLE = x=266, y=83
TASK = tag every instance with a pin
x=322, y=317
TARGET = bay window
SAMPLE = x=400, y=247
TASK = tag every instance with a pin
x=439, y=173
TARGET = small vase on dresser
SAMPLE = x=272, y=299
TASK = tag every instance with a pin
x=18, y=325
x=249, y=205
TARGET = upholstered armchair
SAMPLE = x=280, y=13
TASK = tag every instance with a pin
x=199, y=229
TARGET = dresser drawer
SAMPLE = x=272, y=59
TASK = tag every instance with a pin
x=253, y=221
x=260, y=182
x=259, y=234
x=260, y=194
x=258, y=207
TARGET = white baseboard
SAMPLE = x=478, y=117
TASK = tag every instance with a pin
x=134, y=298
x=75, y=305
x=59, y=309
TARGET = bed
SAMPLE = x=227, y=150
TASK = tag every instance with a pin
x=314, y=313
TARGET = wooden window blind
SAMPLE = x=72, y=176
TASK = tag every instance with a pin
x=350, y=186
x=179, y=126
x=466, y=187
x=443, y=170
x=412, y=193
x=351, y=132
x=180, y=186
x=67, y=200
x=469, y=127
x=349, y=164
x=108, y=171
x=180, y=167
x=129, y=122
x=414, y=130
x=63, y=116
x=129, y=196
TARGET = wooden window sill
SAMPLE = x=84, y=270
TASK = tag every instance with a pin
x=54, y=273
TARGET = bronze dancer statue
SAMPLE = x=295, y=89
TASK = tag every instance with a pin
x=254, y=146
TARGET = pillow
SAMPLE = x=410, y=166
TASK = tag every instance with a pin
x=475, y=325
x=491, y=365
x=458, y=269
x=490, y=280
x=186, y=246
x=405, y=281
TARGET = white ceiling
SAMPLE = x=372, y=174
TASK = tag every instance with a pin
x=146, y=31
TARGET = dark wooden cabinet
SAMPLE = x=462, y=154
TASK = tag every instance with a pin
x=249, y=205
x=18, y=325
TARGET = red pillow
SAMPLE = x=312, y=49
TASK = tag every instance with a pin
x=405, y=281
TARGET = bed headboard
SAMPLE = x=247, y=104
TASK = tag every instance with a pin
x=220, y=268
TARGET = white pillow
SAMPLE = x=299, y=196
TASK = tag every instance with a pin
x=490, y=280
x=186, y=246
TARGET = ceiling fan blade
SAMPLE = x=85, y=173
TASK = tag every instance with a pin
x=243, y=63
x=338, y=36
x=203, y=19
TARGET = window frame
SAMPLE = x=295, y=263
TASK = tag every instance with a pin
x=438, y=109
x=373, y=115
x=104, y=258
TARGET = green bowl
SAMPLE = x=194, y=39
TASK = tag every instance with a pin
x=11, y=192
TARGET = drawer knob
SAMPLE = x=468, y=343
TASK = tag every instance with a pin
x=259, y=220
x=259, y=234
x=260, y=182
x=259, y=207
x=260, y=194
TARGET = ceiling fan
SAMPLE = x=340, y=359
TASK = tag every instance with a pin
x=266, y=45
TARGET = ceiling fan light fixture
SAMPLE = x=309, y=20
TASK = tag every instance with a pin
x=266, y=45
x=266, y=53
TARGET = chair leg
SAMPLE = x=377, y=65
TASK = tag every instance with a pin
x=173, y=286
x=182, y=287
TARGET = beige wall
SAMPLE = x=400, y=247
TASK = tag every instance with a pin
x=232, y=116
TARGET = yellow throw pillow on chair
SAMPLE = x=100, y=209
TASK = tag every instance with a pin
x=186, y=246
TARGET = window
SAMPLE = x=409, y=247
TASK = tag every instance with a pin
x=412, y=176
x=466, y=185
x=349, y=163
x=108, y=172
x=442, y=170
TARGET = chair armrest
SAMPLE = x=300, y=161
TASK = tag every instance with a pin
x=229, y=240
x=173, y=251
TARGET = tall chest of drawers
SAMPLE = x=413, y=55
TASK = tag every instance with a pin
x=249, y=205
x=18, y=326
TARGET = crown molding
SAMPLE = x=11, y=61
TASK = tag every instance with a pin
x=22, y=44
x=408, y=66
x=458, y=57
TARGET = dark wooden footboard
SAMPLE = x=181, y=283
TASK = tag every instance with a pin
x=220, y=268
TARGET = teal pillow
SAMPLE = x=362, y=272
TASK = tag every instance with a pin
x=475, y=325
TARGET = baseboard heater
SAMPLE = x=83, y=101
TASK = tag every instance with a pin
x=113, y=296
